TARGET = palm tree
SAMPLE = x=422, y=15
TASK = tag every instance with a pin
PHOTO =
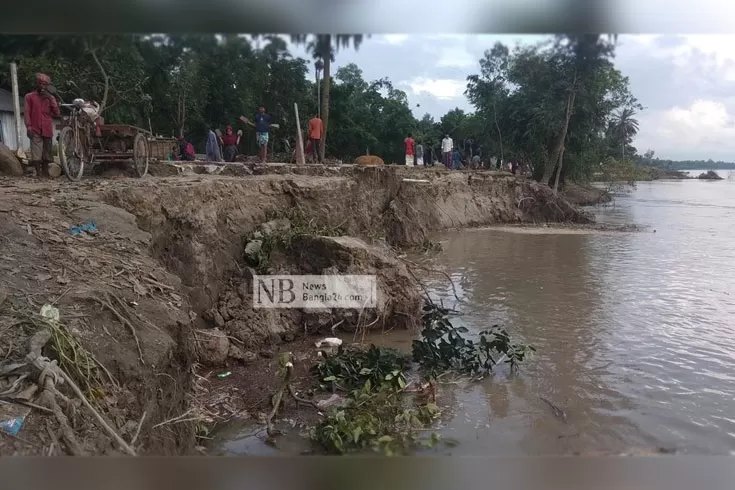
x=625, y=125
x=323, y=46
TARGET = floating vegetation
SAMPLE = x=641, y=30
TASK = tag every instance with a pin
x=377, y=414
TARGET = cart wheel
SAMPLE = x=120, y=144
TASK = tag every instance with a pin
x=71, y=155
x=140, y=154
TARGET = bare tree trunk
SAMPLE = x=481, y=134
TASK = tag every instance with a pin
x=103, y=104
x=326, y=82
x=500, y=136
x=183, y=114
x=624, y=138
x=560, y=166
x=559, y=145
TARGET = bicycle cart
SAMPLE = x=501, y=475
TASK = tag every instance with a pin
x=85, y=140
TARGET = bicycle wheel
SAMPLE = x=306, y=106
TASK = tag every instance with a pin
x=71, y=154
x=140, y=154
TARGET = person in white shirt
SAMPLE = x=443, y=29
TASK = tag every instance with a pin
x=447, y=147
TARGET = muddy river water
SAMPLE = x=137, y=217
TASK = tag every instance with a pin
x=635, y=332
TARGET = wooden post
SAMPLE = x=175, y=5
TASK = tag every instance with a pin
x=16, y=108
x=300, y=158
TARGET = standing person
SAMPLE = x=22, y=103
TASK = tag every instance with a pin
x=447, y=146
x=230, y=140
x=40, y=108
x=410, y=146
x=456, y=159
x=316, y=130
x=262, y=127
x=212, y=150
x=419, y=155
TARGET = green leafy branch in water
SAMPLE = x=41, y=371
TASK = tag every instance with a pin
x=442, y=347
x=429, y=246
x=376, y=419
x=378, y=415
x=350, y=371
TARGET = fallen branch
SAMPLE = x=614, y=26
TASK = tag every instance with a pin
x=179, y=418
x=47, y=381
x=137, y=431
x=48, y=377
x=429, y=269
x=287, y=374
x=124, y=445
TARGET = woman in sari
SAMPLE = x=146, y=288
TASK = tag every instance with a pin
x=230, y=141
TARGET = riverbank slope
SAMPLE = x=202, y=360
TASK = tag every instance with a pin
x=153, y=299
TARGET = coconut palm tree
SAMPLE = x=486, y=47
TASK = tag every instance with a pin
x=323, y=47
x=625, y=125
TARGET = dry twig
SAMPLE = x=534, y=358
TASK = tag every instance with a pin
x=106, y=303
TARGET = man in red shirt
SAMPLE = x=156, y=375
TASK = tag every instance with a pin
x=316, y=131
x=40, y=106
x=409, y=142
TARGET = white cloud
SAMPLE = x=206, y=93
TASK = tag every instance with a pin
x=456, y=58
x=702, y=130
x=442, y=88
x=395, y=39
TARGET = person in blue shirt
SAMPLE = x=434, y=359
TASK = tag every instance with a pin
x=457, y=160
x=262, y=129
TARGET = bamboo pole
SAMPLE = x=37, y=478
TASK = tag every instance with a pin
x=300, y=158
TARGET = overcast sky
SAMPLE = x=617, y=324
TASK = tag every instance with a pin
x=686, y=83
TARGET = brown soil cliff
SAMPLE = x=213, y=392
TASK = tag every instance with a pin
x=163, y=281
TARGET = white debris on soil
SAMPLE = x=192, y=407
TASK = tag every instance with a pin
x=329, y=342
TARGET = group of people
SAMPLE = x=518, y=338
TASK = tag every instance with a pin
x=416, y=155
x=452, y=159
x=223, y=147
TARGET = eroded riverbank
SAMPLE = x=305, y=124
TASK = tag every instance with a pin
x=139, y=293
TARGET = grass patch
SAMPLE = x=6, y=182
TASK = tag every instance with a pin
x=281, y=237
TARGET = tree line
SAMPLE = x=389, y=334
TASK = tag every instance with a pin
x=666, y=164
x=560, y=106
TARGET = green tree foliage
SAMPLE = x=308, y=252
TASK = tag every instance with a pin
x=666, y=164
x=173, y=83
x=551, y=104
x=369, y=117
x=560, y=106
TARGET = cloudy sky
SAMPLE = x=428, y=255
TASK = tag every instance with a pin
x=686, y=83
